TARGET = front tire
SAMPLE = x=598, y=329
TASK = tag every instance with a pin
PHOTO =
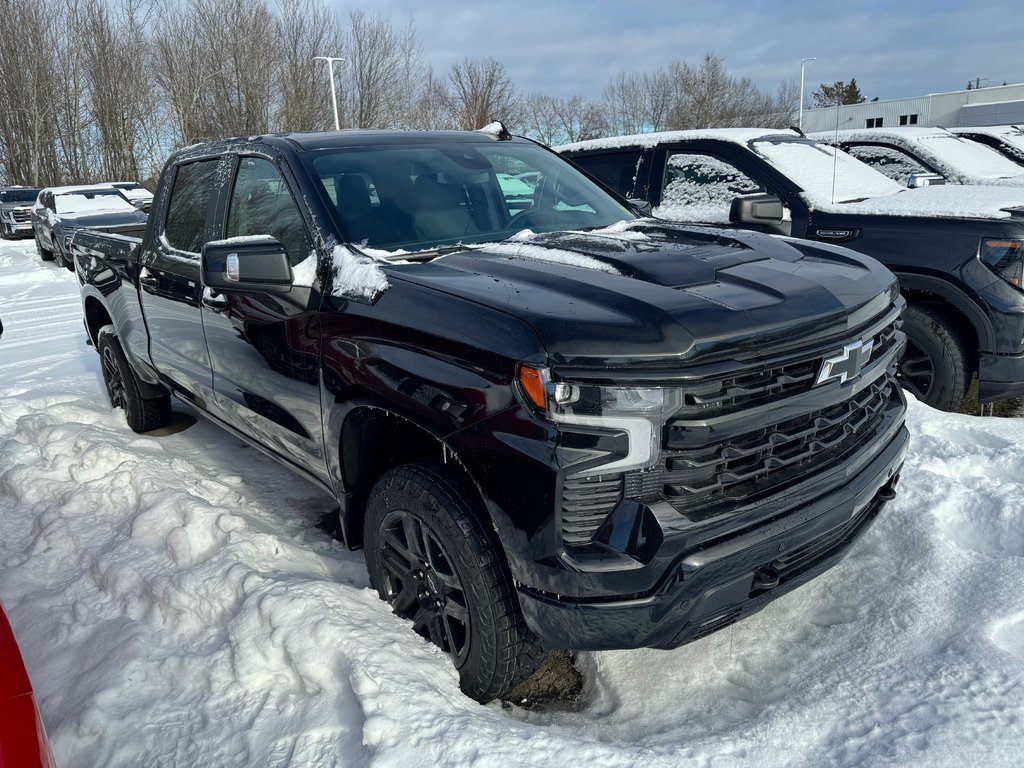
x=44, y=253
x=430, y=557
x=142, y=414
x=935, y=366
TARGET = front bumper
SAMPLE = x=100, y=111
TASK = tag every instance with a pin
x=17, y=228
x=716, y=585
x=1000, y=376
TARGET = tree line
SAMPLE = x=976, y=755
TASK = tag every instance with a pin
x=94, y=90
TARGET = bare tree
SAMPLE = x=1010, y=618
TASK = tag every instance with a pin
x=480, y=92
x=307, y=28
x=555, y=121
x=379, y=71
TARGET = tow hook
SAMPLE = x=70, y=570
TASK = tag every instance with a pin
x=765, y=579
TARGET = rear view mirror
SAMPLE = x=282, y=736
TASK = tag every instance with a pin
x=925, y=180
x=762, y=210
x=247, y=265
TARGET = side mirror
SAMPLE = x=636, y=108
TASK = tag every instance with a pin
x=766, y=211
x=246, y=265
x=643, y=207
x=925, y=180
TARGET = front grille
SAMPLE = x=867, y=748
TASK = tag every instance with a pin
x=704, y=482
x=743, y=437
x=732, y=393
x=22, y=215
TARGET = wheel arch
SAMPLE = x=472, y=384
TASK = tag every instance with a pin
x=938, y=295
x=373, y=439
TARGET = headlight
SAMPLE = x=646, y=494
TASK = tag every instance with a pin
x=1005, y=258
x=640, y=412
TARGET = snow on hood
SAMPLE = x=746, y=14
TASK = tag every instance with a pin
x=943, y=201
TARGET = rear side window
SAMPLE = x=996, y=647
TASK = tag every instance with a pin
x=619, y=171
x=190, y=199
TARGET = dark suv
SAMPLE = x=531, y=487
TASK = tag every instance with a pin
x=60, y=211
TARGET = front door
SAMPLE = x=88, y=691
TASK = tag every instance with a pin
x=265, y=349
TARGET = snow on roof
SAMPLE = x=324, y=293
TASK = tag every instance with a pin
x=645, y=140
x=960, y=160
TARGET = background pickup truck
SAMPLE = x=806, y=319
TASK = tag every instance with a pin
x=550, y=424
x=958, y=251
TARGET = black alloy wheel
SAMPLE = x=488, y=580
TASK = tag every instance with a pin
x=935, y=366
x=142, y=414
x=421, y=584
x=433, y=560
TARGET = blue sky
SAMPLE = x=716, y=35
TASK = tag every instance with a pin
x=562, y=47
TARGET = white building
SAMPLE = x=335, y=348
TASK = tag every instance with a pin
x=998, y=105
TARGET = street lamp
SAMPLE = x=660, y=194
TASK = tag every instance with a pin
x=803, y=63
x=334, y=97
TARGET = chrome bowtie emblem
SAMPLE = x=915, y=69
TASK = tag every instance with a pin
x=847, y=364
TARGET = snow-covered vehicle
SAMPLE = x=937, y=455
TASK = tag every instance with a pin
x=908, y=152
x=958, y=251
x=1008, y=140
x=16, y=211
x=137, y=194
x=550, y=426
x=61, y=211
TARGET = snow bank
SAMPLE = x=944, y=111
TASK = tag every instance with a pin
x=179, y=603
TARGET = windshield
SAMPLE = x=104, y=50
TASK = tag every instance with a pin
x=970, y=158
x=18, y=195
x=825, y=174
x=426, y=196
x=83, y=200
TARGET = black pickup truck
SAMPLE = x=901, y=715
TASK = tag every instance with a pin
x=550, y=423
x=958, y=251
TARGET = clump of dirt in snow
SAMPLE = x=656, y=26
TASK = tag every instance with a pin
x=557, y=684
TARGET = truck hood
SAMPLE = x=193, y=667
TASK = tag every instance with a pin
x=100, y=219
x=654, y=293
x=943, y=202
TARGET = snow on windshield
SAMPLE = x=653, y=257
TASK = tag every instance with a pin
x=968, y=158
x=81, y=202
x=825, y=174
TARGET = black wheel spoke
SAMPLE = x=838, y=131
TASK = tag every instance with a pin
x=406, y=598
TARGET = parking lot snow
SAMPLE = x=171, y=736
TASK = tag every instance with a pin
x=180, y=602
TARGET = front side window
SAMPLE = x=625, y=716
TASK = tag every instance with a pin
x=701, y=187
x=262, y=204
x=185, y=226
x=894, y=163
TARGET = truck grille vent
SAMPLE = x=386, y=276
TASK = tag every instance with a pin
x=586, y=502
x=22, y=215
x=707, y=481
x=729, y=394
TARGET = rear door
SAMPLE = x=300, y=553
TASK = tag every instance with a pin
x=169, y=280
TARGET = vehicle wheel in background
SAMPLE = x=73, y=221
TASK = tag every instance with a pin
x=5, y=232
x=431, y=558
x=44, y=253
x=935, y=366
x=142, y=414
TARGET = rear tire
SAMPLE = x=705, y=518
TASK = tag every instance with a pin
x=142, y=414
x=44, y=253
x=430, y=557
x=935, y=366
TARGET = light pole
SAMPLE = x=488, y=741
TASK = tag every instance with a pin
x=803, y=63
x=334, y=97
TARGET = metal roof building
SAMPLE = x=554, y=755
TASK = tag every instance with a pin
x=998, y=105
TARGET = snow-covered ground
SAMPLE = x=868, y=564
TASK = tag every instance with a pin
x=179, y=603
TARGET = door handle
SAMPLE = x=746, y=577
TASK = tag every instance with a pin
x=214, y=300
